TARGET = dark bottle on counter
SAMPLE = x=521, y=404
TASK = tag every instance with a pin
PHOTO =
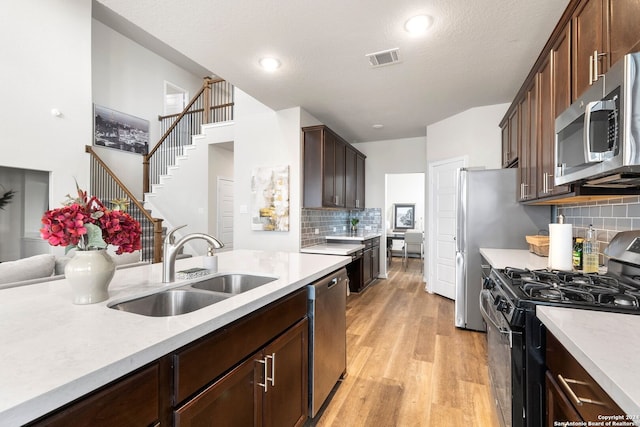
x=577, y=253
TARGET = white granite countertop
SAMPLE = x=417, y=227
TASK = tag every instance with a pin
x=333, y=248
x=54, y=351
x=520, y=258
x=605, y=344
x=360, y=236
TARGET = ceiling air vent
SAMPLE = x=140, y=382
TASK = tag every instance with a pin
x=385, y=57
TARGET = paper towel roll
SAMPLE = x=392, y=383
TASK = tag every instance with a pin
x=560, y=246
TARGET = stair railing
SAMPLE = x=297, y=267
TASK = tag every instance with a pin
x=213, y=103
x=106, y=186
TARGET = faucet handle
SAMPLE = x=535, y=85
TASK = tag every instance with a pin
x=170, y=237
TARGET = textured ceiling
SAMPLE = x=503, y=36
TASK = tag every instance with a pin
x=477, y=53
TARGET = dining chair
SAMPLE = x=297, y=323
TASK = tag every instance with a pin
x=413, y=244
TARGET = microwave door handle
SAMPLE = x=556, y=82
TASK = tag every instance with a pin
x=588, y=154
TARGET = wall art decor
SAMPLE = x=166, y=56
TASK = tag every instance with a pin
x=270, y=199
x=113, y=129
x=404, y=216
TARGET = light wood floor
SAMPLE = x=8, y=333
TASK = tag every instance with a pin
x=407, y=364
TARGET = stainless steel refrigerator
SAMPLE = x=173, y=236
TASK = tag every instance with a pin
x=488, y=216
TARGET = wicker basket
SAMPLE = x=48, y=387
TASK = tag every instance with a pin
x=539, y=245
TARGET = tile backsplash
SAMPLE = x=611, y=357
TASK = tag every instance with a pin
x=325, y=221
x=608, y=218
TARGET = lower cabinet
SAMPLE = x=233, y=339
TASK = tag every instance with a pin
x=133, y=401
x=252, y=372
x=270, y=388
x=571, y=393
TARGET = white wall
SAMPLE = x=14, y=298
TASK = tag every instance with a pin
x=46, y=56
x=263, y=138
x=406, y=155
x=474, y=133
x=129, y=78
x=405, y=188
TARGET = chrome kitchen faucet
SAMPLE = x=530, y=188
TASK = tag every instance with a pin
x=171, y=249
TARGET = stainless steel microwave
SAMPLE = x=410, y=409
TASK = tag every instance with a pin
x=598, y=137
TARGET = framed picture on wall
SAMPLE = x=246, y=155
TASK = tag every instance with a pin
x=404, y=215
x=113, y=129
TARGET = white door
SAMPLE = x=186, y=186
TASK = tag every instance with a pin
x=442, y=226
x=225, y=212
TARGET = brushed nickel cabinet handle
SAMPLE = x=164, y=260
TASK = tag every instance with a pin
x=266, y=377
x=272, y=379
x=578, y=401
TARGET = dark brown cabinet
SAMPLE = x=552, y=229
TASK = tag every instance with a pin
x=354, y=179
x=270, y=388
x=554, y=79
x=333, y=171
x=590, y=37
x=603, y=32
x=510, y=145
x=132, y=401
x=571, y=393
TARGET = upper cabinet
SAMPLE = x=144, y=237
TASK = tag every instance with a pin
x=603, y=32
x=333, y=175
x=590, y=37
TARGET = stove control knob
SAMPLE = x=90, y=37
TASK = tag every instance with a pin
x=488, y=283
x=498, y=300
x=503, y=306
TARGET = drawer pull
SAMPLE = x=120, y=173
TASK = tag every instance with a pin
x=578, y=401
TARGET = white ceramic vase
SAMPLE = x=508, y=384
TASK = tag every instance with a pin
x=89, y=273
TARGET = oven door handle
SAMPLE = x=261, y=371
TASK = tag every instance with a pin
x=490, y=319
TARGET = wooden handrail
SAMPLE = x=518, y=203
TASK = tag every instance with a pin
x=206, y=88
x=157, y=222
x=199, y=110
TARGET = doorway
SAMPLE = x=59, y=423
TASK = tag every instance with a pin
x=175, y=99
x=402, y=188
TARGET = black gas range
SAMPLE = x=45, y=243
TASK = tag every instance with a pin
x=515, y=336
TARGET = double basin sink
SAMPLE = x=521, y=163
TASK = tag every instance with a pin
x=193, y=296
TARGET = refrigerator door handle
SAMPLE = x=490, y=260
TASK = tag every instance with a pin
x=460, y=301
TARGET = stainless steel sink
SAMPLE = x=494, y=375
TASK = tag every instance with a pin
x=232, y=283
x=170, y=303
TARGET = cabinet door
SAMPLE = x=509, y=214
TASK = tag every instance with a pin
x=624, y=36
x=329, y=169
x=529, y=131
x=588, y=23
x=561, y=81
x=523, y=149
x=132, y=401
x=340, y=178
x=366, y=267
x=559, y=409
x=375, y=262
x=234, y=400
x=504, y=127
x=360, y=181
x=545, y=128
x=286, y=400
x=351, y=178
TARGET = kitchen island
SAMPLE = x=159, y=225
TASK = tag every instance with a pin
x=54, y=352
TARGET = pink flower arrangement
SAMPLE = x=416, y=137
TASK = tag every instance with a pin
x=85, y=224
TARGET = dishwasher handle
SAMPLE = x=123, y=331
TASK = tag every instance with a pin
x=333, y=282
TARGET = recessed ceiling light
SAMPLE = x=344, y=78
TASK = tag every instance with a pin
x=418, y=24
x=269, y=64
x=377, y=126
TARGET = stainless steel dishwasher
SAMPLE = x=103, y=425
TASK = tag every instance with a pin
x=327, y=336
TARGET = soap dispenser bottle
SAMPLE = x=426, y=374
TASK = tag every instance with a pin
x=211, y=261
x=590, y=252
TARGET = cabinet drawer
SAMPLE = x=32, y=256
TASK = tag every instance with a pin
x=210, y=357
x=132, y=401
x=586, y=396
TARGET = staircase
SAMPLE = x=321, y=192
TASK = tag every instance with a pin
x=213, y=103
